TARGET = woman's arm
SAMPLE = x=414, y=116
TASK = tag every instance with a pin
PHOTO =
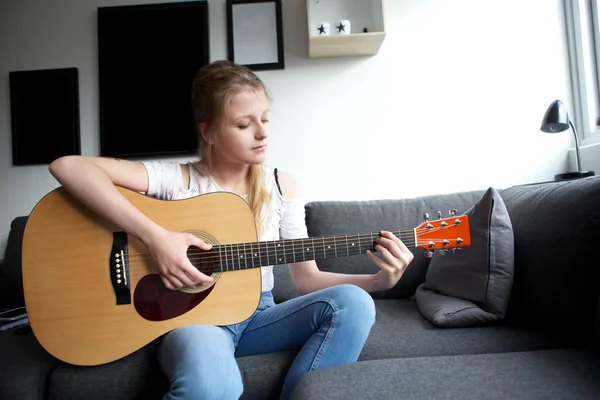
x=395, y=258
x=92, y=181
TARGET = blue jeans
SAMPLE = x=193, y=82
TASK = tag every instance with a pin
x=328, y=327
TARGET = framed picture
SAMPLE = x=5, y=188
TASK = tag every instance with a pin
x=255, y=34
x=148, y=55
x=44, y=115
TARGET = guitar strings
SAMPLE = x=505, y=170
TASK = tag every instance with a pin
x=290, y=252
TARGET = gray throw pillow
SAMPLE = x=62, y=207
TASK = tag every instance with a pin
x=473, y=287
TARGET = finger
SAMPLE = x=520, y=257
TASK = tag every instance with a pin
x=374, y=258
x=391, y=246
x=401, y=246
x=172, y=282
x=389, y=260
x=194, y=275
x=166, y=282
x=195, y=241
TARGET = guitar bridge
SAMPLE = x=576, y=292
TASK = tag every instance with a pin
x=119, y=268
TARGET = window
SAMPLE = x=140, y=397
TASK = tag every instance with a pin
x=583, y=39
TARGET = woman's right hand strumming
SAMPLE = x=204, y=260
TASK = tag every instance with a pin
x=169, y=250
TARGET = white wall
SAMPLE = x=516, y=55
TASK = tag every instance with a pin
x=452, y=102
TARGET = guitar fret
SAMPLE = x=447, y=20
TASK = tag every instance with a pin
x=232, y=258
x=302, y=241
x=259, y=256
x=347, y=250
x=220, y=259
x=335, y=245
x=227, y=257
x=372, y=242
x=268, y=260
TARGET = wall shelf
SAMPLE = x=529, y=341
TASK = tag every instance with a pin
x=362, y=14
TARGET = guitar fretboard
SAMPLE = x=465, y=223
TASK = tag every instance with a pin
x=238, y=256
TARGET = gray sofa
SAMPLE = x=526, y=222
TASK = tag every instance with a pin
x=545, y=348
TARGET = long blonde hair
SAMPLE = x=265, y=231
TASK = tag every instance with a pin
x=214, y=86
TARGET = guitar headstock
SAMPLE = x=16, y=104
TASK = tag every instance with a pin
x=444, y=233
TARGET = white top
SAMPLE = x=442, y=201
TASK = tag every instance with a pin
x=283, y=219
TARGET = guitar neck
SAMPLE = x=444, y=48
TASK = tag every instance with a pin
x=238, y=256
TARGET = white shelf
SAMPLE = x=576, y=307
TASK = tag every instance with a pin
x=362, y=14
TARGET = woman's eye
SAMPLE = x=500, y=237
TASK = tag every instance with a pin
x=243, y=126
x=264, y=121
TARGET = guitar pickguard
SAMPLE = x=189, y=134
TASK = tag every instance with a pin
x=154, y=302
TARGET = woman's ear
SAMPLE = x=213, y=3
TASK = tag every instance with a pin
x=204, y=132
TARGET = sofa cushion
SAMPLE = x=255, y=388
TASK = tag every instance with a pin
x=556, y=228
x=548, y=374
x=24, y=368
x=11, y=281
x=401, y=331
x=473, y=287
x=138, y=376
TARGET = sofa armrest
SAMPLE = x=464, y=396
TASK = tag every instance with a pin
x=11, y=280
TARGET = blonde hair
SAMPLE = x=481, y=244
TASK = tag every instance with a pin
x=213, y=89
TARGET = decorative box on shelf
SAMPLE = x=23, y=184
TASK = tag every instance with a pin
x=339, y=28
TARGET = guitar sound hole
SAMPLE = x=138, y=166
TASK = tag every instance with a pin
x=204, y=261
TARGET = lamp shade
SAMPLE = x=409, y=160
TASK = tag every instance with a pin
x=556, y=118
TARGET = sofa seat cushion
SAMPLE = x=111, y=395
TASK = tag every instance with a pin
x=30, y=372
x=401, y=331
x=545, y=374
x=138, y=376
x=24, y=368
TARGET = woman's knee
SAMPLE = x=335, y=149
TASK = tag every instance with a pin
x=354, y=300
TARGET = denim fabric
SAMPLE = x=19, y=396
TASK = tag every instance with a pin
x=328, y=327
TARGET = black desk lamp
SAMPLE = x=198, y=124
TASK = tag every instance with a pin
x=557, y=120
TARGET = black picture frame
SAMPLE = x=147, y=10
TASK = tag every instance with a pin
x=44, y=113
x=255, y=34
x=148, y=55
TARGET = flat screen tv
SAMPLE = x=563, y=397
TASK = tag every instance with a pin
x=148, y=56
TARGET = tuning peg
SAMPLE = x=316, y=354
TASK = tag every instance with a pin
x=439, y=215
x=428, y=254
x=425, y=217
x=457, y=250
x=442, y=252
x=453, y=212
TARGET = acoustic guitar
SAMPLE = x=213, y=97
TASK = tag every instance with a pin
x=93, y=294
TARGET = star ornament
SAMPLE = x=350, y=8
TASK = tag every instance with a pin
x=321, y=30
x=341, y=27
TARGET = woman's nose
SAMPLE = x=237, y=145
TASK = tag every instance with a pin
x=261, y=132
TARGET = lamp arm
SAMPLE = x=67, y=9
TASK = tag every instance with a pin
x=577, y=155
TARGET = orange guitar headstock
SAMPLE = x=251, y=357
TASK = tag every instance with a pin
x=445, y=233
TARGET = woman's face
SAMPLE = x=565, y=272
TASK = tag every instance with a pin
x=242, y=137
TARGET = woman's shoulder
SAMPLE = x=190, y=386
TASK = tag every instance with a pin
x=286, y=184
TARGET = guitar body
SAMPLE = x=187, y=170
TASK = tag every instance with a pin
x=69, y=283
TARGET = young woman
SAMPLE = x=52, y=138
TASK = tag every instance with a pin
x=328, y=324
